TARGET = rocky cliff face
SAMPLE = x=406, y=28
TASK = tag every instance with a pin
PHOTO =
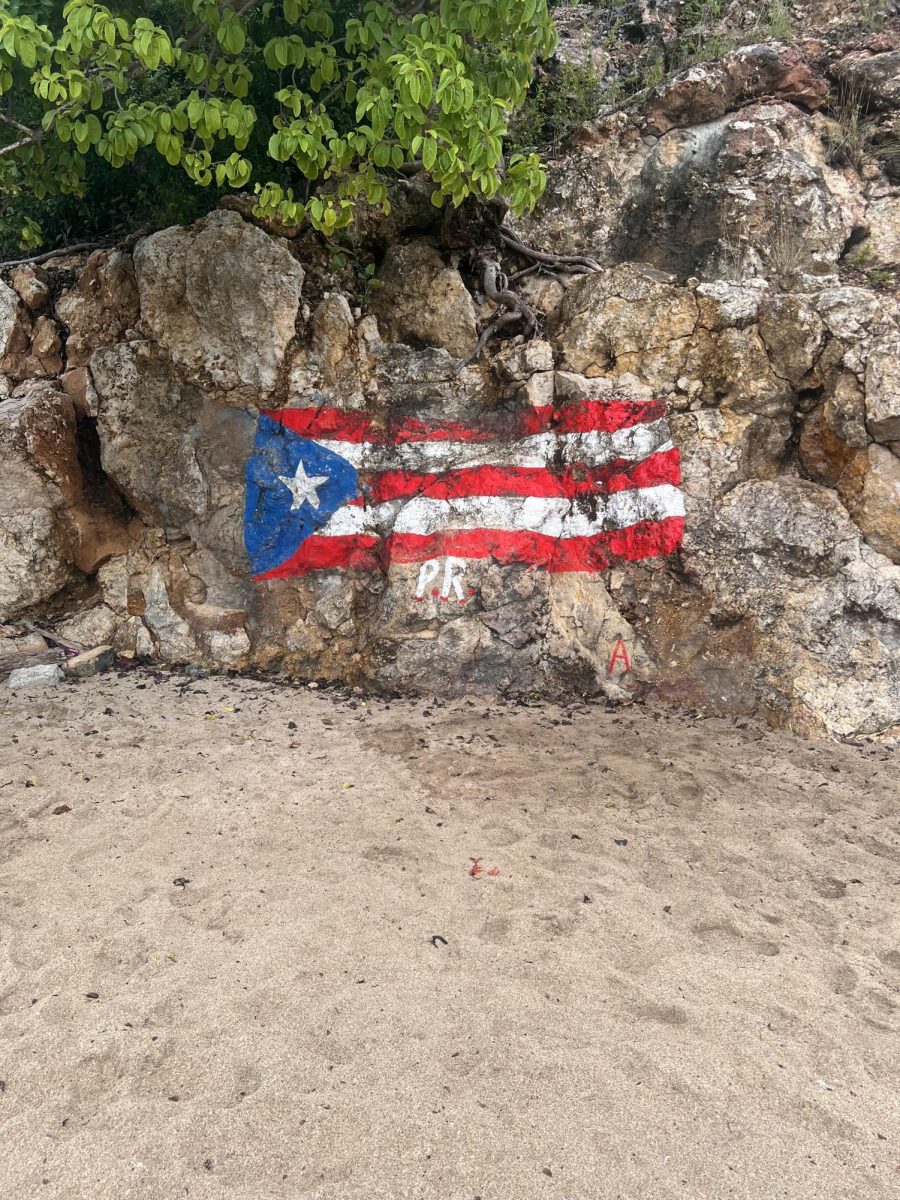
x=746, y=278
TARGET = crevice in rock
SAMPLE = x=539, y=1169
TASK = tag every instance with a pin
x=858, y=235
x=808, y=401
x=99, y=489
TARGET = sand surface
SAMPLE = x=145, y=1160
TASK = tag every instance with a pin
x=218, y=980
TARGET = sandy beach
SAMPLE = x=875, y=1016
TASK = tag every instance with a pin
x=262, y=941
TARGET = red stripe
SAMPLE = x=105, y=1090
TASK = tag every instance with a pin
x=361, y=550
x=524, y=481
x=647, y=539
x=585, y=416
x=345, y=425
x=604, y=416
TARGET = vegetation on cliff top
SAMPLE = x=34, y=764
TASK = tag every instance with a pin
x=312, y=104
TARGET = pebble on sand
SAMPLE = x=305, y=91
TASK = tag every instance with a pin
x=29, y=677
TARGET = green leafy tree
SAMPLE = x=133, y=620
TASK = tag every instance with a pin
x=313, y=104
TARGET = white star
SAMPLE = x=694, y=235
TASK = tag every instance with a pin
x=304, y=488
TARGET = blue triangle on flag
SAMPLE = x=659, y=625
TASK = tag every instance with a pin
x=282, y=490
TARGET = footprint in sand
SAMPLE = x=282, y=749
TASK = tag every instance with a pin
x=724, y=937
x=662, y=1014
x=830, y=888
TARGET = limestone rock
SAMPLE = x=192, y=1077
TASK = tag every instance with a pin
x=539, y=390
x=876, y=76
x=746, y=193
x=100, y=307
x=825, y=607
x=762, y=175
x=876, y=506
x=424, y=302
x=708, y=91
x=228, y=649
x=628, y=319
x=15, y=332
x=334, y=355
x=517, y=362
x=144, y=420
x=826, y=457
x=845, y=411
x=49, y=529
x=39, y=478
x=735, y=372
x=882, y=247
x=46, y=348
x=222, y=299
x=178, y=455
x=30, y=282
x=726, y=305
x=794, y=335
x=18, y=640
x=93, y=627
x=883, y=390
x=91, y=662
x=173, y=638
x=34, y=677
x=587, y=633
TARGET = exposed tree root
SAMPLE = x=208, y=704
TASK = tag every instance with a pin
x=572, y=264
x=496, y=288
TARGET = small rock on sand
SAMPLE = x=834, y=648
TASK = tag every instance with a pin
x=29, y=677
x=92, y=662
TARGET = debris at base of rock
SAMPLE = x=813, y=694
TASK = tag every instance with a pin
x=28, y=677
x=22, y=661
x=15, y=639
x=47, y=635
x=91, y=662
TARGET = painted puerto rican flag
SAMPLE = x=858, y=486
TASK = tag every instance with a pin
x=574, y=488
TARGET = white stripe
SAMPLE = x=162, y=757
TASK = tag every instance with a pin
x=555, y=516
x=593, y=449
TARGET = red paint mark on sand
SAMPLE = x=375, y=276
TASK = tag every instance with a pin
x=477, y=869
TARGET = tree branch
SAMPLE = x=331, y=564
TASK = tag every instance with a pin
x=134, y=72
x=7, y=120
x=48, y=254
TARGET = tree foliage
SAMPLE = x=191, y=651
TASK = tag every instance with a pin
x=313, y=104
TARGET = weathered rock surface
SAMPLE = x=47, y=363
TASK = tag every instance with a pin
x=882, y=247
x=50, y=530
x=423, y=301
x=37, y=444
x=824, y=607
x=222, y=300
x=882, y=383
x=34, y=677
x=15, y=332
x=874, y=503
x=877, y=76
x=726, y=171
x=91, y=662
x=708, y=91
x=100, y=308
